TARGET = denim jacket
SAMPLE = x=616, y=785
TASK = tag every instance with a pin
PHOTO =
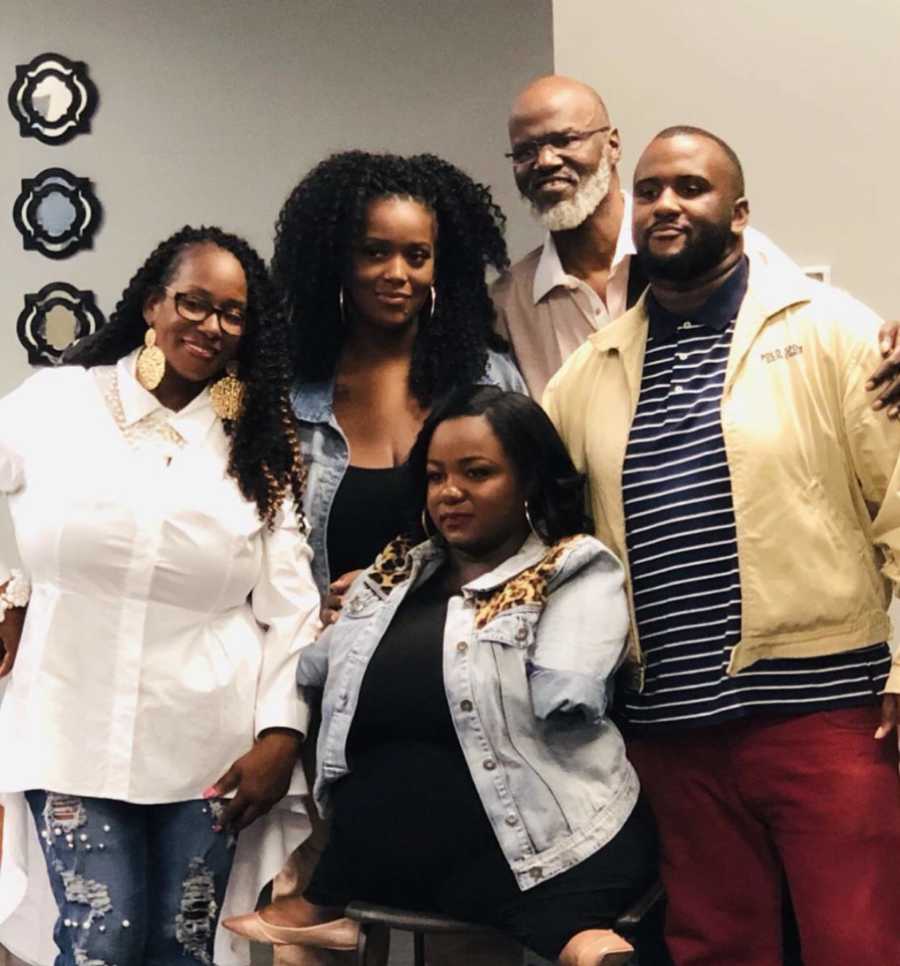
x=528, y=656
x=326, y=453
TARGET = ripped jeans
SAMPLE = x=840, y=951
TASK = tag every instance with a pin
x=136, y=885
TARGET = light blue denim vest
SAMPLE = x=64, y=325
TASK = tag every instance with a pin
x=326, y=453
x=529, y=651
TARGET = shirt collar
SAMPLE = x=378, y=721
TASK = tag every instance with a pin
x=716, y=313
x=550, y=273
x=193, y=422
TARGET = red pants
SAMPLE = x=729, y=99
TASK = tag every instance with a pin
x=814, y=795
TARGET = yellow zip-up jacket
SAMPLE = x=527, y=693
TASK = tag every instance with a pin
x=813, y=468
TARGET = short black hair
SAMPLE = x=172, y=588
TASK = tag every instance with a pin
x=553, y=487
x=730, y=153
x=325, y=215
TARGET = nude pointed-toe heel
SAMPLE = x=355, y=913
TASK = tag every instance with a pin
x=596, y=947
x=338, y=934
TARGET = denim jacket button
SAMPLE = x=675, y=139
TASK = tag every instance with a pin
x=466, y=705
x=489, y=764
x=356, y=605
x=462, y=647
x=521, y=632
x=537, y=872
x=511, y=820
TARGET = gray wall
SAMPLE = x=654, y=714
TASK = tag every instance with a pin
x=806, y=92
x=211, y=110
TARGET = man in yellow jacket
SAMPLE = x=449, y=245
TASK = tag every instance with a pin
x=737, y=467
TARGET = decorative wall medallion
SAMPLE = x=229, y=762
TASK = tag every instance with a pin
x=56, y=213
x=52, y=98
x=53, y=319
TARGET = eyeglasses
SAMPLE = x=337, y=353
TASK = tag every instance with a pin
x=195, y=308
x=525, y=152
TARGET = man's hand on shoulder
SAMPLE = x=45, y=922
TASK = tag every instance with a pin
x=886, y=378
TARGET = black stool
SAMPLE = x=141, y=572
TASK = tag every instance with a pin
x=376, y=923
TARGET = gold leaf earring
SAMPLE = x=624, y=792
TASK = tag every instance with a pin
x=151, y=363
x=227, y=394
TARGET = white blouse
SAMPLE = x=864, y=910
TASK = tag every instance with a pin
x=164, y=622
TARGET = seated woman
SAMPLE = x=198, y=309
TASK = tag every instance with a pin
x=156, y=489
x=465, y=758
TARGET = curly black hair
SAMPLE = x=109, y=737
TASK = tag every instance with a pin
x=265, y=455
x=553, y=488
x=323, y=217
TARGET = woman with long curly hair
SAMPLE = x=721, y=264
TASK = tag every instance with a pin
x=381, y=262
x=156, y=487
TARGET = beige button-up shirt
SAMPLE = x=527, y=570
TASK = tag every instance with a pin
x=546, y=314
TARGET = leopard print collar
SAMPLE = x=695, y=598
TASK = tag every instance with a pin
x=396, y=563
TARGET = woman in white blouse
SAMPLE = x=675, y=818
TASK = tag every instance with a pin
x=151, y=713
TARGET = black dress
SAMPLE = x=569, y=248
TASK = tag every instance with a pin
x=370, y=508
x=409, y=830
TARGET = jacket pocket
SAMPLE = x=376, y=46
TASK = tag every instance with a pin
x=512, y=629
x=361, y=603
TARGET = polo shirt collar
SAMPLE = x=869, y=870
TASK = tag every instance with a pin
x=716, y=313
x=550, y=273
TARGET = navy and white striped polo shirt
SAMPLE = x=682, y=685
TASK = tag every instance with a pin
x=682, y=546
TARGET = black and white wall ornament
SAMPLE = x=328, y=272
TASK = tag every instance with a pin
x=56, y=213
x=54, y=318
x=52, y=98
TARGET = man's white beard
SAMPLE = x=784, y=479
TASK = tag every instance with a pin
x=571, y=212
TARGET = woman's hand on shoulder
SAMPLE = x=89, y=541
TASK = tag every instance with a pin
x=334, y=599
x=10, y=635
x=260, y=778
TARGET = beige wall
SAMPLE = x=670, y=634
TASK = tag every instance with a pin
x=806, y=91
x=210, y=111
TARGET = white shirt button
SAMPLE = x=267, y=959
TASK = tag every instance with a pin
x=677, y=390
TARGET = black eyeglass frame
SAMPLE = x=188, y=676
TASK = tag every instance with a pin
x=533, y=145
x=220, y=312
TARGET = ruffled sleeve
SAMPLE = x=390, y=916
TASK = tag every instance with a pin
x=286, y=601
x=17, y=411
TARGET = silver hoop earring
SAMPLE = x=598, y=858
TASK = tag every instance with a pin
x=424, y=518
x=341, y=304
x=531, y=526
x=433, y=303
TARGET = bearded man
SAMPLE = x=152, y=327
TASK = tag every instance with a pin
x=738, y=470
x=565, y=154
